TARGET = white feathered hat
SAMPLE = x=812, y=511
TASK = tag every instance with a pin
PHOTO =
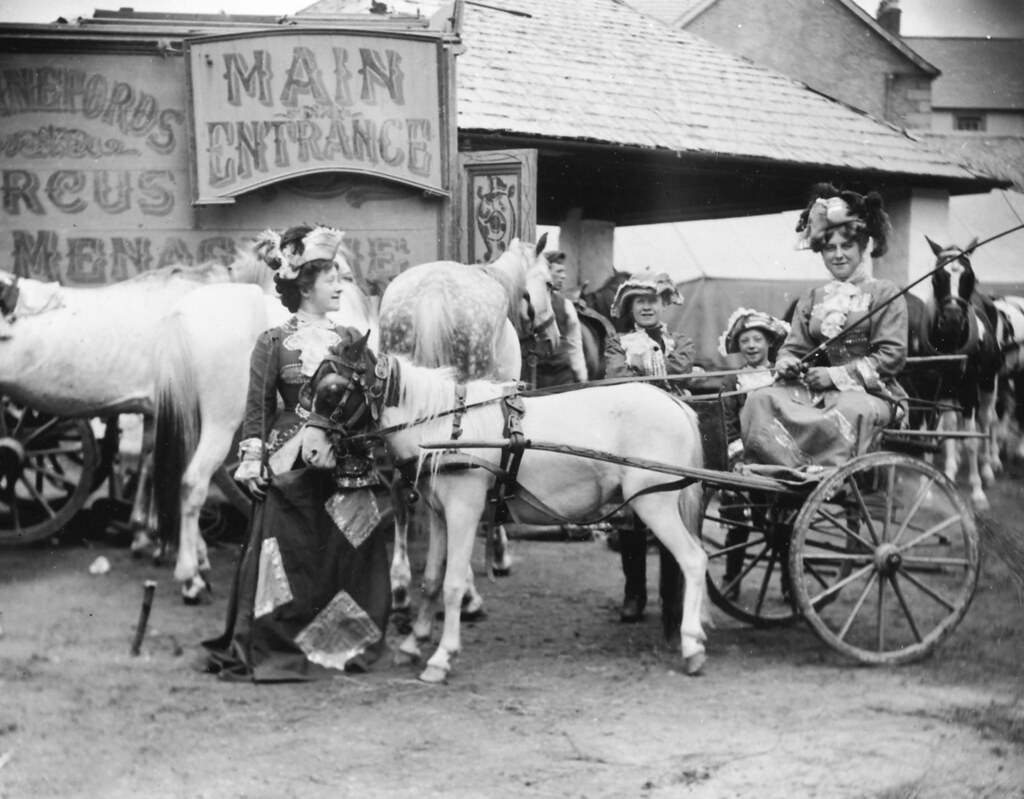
x=321, y=243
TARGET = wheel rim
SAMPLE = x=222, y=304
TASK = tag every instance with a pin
x=747, y=577
x=886, y=554
x=50, y=479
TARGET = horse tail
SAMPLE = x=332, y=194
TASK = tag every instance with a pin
x=434, y=320
x=177, y=421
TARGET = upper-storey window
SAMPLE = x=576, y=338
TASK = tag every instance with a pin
x=969, y=121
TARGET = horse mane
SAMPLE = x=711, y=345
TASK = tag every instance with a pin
x=425, y=394
x=514, y=287
x=246, y=269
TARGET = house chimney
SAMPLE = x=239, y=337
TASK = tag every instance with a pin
x=888, y=15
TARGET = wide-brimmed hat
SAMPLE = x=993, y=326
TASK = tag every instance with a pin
x=649, y=283
x=321, y=243
x=831, y=208
x=744, y=319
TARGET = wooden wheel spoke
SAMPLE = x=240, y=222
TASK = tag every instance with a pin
x=915, y=507
x=896, y=589
x=45, y=426
x=844, y=582
x=865, y=513
x=735, y=581
x=937, y=561
x=928, y=590
x=72, y=450
x=744, y=545
x=934, y=530
x=38, y=497
x=814, y=573
x=880, y=618
x=868, y=546
x=762, y=592
x=890, y=492
x=856, y=607
x=55, y=477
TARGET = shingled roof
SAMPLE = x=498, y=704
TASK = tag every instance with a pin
x=599, y=70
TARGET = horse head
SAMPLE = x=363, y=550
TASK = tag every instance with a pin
x=343, y=399
x=953, y=285
x=527, y=276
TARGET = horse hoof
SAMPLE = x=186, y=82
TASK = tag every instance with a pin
x=501, y=571
x=434, y=675
x=400, y=599
x=695, y=664
x=980, y=504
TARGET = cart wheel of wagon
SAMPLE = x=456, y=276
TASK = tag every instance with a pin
x=884, y=558
x=746, y=538
x=47, y=468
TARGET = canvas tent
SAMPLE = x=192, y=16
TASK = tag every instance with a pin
x=723, y=264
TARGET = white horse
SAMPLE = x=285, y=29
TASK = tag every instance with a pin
x=85, y=352
x=81, y=352
x=627, y=420
x=473, y=319
x=202, y=359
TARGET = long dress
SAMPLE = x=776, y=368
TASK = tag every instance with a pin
x=309, y=597
x=791, y=426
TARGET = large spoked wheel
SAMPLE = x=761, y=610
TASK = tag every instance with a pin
x=885, y=558
x=48, y=466
x=746, y=537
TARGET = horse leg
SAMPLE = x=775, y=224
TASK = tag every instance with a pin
x=986, y=415
x=141, y=519
x=973, y=447
x=214, y=443
x=666, y=520
x=464, y=499
x=401, y=571
x=501, y=556
x=410, y=648
x=948, y=421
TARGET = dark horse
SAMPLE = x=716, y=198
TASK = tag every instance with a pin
x=958, y=320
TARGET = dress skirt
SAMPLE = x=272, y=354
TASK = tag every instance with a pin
x=306, y=600
x=788, y=425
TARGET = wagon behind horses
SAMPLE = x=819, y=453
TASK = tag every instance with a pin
x=629, y=420
x=67, y=354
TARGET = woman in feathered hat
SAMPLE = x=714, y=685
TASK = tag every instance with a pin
x=826, y=411
x=647, y=347
x=296, y=563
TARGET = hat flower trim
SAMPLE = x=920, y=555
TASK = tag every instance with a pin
x=321, y=243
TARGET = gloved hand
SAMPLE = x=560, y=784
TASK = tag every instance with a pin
x=788, y=367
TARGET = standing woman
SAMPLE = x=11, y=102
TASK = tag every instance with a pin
x=647, y=348
x=312, y=592
x=824, y=412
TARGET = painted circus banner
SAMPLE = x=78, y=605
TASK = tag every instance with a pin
x=275, y=105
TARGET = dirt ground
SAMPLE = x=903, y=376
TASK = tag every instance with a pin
x=552, y=697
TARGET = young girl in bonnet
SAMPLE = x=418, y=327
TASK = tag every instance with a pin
x=756, y=336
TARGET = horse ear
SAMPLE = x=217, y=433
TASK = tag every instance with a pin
x=936, y=249
x=542, y=242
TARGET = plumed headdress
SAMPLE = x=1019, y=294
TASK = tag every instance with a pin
x=832, y=208
x=647, y=282
x=744, y=319
x=287, y=254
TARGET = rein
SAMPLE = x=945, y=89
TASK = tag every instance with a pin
x=903, y=292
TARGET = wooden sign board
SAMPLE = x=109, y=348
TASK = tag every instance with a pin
x=275, y=105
